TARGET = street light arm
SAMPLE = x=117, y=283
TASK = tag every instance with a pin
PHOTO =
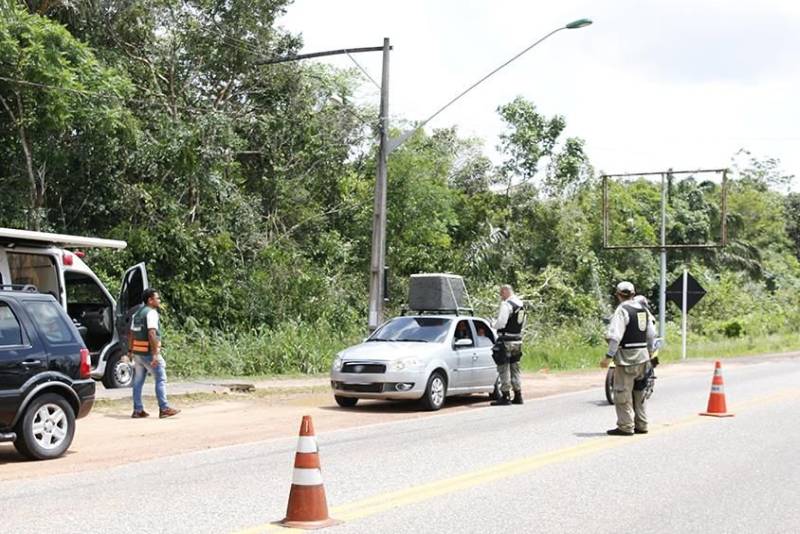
x=476, y=84
x=396, y=142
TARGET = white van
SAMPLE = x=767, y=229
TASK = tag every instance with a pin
x=42, y=260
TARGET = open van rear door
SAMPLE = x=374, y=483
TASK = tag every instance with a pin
x=130, y=299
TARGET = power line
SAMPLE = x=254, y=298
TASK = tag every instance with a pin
x=362, y=69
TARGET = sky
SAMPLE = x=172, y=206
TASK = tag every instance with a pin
x=651, y=85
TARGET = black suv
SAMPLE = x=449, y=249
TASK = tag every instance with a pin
x=45, y=381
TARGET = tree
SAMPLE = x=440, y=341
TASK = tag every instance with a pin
x=65, y=116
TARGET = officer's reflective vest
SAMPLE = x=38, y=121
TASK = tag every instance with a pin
x=141, y=340
x=635, y=336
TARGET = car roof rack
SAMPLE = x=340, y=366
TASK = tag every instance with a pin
x=28, y=288
x=451, y=311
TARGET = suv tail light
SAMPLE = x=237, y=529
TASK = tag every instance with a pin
x=86, y=364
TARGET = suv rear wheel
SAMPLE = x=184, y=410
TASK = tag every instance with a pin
x=435, y=392
x=46, y=429
x=118, y=373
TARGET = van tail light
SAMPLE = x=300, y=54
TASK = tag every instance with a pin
x=86, y=364
x=68, y=258
x=80, y=254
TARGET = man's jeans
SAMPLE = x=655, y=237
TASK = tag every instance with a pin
x=142, y=366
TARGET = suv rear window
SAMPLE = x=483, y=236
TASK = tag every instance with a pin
x=49, y=317
x=10, y=332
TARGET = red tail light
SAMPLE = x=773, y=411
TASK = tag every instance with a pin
x=67, y=258
x=86, y=364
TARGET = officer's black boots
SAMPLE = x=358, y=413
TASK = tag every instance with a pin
x=517, y=397
x=505, y=400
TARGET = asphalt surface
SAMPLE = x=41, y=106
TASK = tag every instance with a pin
x=546, y=466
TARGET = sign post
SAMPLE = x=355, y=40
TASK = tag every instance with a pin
x=685, y=292
x=683, y=315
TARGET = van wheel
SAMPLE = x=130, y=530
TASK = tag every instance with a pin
x=46, y=429
x=435, y=392
x=118, y=373
x=345, y=402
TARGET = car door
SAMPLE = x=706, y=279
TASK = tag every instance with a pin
x=134, y=282
x=484, y=369
x=464, y=354
x=20, y=359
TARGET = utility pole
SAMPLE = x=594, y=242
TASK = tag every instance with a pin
x=378, y=260
x=662, y=286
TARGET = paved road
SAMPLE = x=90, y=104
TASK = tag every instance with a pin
x=546, y=466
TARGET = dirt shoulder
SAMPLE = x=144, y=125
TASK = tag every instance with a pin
x=213, y=418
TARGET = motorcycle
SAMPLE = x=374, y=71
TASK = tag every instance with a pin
x=610, y=374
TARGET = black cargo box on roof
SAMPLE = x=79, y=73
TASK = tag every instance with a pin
x=438, y=293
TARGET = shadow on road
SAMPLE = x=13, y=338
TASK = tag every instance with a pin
x=589, y=434
x=9, y=455
x=380, y=406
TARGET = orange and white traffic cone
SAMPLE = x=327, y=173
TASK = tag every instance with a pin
x=716, y=400
x=307, y=508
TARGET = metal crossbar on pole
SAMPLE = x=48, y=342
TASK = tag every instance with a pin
x=339, y=52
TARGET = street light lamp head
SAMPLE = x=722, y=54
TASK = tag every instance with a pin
x=580, y=23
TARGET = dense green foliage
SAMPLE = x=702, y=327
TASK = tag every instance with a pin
x=247, y=190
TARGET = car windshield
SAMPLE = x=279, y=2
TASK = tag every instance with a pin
x=413, y=329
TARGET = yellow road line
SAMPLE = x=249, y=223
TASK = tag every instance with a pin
x=395, y=499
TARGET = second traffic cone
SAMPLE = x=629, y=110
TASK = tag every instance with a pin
x=716, y=400
x=307, y=506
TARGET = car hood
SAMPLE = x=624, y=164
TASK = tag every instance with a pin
x=389, y=350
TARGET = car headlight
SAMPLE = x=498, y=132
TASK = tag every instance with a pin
x=406, y=363
x=337, y=364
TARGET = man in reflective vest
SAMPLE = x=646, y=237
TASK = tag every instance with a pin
x=631, y=336
x=144, y=344
x=507, y=352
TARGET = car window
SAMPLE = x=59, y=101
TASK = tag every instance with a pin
x=485, y=335
x=10, y=331
x=416, y=329
x=49, y=320
x=35, y=269
x=82, y=289
x=463, y=331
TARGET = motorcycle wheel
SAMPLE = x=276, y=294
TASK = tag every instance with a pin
x=610, y=385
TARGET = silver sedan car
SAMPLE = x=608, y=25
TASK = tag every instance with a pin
x=425, y=357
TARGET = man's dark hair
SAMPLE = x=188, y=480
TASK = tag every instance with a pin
x=147, y=293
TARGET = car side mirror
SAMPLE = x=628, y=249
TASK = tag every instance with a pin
x=463, y=342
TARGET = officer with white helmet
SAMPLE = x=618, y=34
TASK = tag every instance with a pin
x=631, y=336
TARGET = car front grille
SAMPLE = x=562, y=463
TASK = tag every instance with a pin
x=359, y=388
x=354, y=367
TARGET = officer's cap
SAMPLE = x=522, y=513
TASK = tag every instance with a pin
x=625, y=288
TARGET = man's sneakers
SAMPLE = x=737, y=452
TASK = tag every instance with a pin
x=169, y=412
x=139, y=415
x=640, y=430
x=618, y=432
x=517, y=397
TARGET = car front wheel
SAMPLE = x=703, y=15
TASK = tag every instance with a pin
x=345, y=402
x=435, y=392
x=46, y=429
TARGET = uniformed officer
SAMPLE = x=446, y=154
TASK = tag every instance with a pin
x=507, y=351
x=631, y=335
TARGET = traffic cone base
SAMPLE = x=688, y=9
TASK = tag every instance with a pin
x=308, y=507
x=716, y=399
